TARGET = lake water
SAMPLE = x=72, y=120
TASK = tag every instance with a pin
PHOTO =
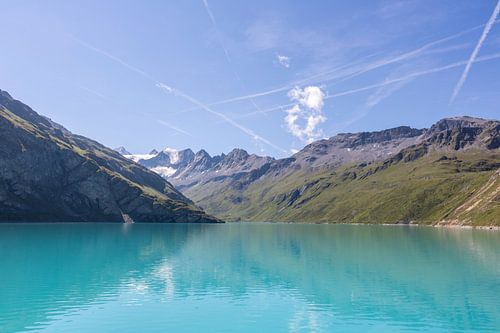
x=247, y=278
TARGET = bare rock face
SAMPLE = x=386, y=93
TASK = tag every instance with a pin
x=464, y=133
x=201, y=162
x=456, y=133
x=122, y=150
x=185, y=168
x=49, y=174
x=357, y=147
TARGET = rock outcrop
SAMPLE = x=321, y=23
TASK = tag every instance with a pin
x=49, y=174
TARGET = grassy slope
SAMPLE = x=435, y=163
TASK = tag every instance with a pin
x=426, y=190
x=86, y=152
x=110, y=163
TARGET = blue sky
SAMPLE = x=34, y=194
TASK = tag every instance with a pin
x=266, y=76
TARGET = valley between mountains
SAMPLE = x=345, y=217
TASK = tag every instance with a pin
x=48, y=174
x=447, y=174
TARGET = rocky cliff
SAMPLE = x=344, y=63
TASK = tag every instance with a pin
x=49, y=174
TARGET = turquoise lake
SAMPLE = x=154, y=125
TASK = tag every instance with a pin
x=246, y=277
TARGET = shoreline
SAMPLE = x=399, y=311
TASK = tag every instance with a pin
x=445, y=226
x=479, y=227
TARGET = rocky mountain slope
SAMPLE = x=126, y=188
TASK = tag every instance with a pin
x=201, y=168
x=445, y=174
x=122, y=150
x=49, y=174
x=354, y=147
x=185, y=169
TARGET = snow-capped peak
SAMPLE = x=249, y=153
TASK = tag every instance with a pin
x=137, y=157
x=173, y=154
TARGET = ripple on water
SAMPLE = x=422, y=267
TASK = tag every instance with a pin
x=247, y=278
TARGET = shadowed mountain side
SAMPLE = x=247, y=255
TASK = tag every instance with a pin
x=49, y=174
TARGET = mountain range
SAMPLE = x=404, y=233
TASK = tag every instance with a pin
x=48, y=174
x=446, y=174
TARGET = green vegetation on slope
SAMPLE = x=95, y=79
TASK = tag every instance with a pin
x=453, y=188
x=51, y=174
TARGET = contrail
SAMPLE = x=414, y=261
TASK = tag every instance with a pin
x=475, y=52
x=93, y=92
x=112, y=57
x=228, y=120
x=175, y=128
x=179, y=93
x=412, y=53
x=226, y=52
x=415, y=74
x=248, y=131
x=212, y=18
x=383, y=92
x=354, y=72
x=205, y=2
x=387, y=82
x=305, y=80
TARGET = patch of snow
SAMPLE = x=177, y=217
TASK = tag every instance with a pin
x=164, y=171
x=138, y=157
x=173, y=154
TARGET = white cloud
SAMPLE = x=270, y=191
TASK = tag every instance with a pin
x=386, y=82
x=306, y=115
x=283, y=60
x=310, y=97
x=358, y=69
